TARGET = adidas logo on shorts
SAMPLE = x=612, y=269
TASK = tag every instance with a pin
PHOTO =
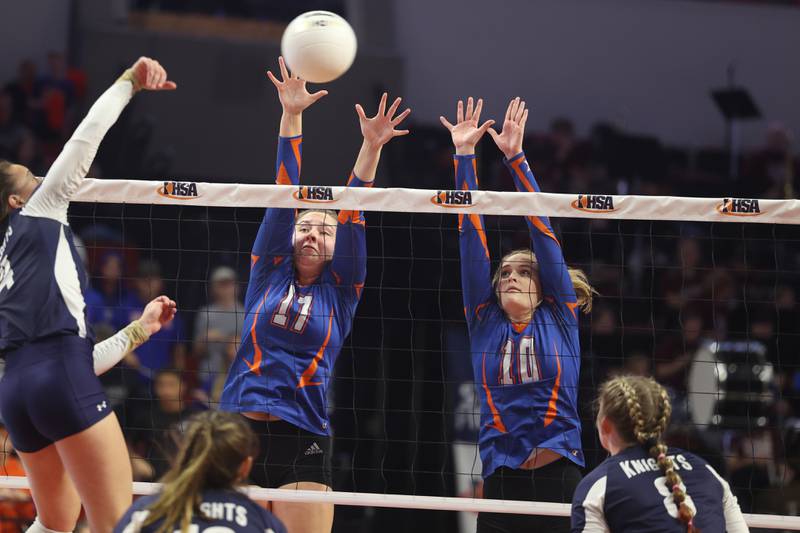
x=314, y=449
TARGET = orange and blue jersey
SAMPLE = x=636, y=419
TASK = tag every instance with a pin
x=292, y=334
x=526, y=375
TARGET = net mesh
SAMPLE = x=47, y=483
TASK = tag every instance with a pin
x=683, y=300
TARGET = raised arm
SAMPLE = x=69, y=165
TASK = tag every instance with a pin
x=273, y=242
x=476, y=281
x=349, y=264
x=52, y=198
x=553, y=272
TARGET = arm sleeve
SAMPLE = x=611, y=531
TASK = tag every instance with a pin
x=52, y=198
x=273, y=244
x=553, y=272
x=476, y=282
x=349, y=264
x=108, y=353
x=588, y=515
x=734, y=520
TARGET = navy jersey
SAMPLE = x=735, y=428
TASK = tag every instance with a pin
x=292, y=334
x=227, y=511
x=42, y=279
x=525, y=374
x=628, y=492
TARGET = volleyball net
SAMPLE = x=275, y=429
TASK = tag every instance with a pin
x=698, y=292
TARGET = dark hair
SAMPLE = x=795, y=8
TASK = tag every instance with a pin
x=640, y=410
x=6, y=187
x=212, y=450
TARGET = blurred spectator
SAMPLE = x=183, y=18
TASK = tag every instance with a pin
x=165, y=349
x=156, y=424
x=217, y=322
x=106, y=302
x=12, y=132
x=772, y=171
x=26, y=94
x=674, y=356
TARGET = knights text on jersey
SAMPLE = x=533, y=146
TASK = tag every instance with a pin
x=628, y=492
x=526, y=375
x=223, y=511
x=293, y=334
x=42, y=280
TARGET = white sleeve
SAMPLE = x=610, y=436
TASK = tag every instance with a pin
x=734, y=521
x=593, y=503
x=108, y=353
x=51, y=199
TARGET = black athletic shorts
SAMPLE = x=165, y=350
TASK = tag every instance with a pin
x=49, y=392
x=555, y=482
x=289, y=454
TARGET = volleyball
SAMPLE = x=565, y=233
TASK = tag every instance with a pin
x=319, y=46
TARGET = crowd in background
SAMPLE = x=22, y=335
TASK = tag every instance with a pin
x=667, y=291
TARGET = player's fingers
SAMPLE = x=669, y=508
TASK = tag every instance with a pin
x=275, y=81
x=393, y=107
x=168, y=86
x=360, y=112
x=399, y=133
x=284, y=71
x=508, y=110
x=520, y=111
x=470, y=103
x=513, y=108
x=319, y=94
x=524, y=119
x=399, y=118
x=446, y=123
x=478, y=108
x=460, y=112
x=486, y=125
x=382, y=105
x=493, y=133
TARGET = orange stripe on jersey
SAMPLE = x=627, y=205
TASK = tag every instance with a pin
x=476, y=222
x=552, y=405
x=296, y=149
x=358, y=287
x=573, y=306
x=479, y=309
x=255, y=366
x=497, y=422
x=519, y=327
x=521, y=175
x=278, y=260
x=350, y=216
x=253, y=260
x=283, y=176
x=308, y=373
x=541, y=226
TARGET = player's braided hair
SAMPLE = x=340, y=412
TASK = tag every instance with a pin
x=6, y=187
x=215, y=445
x=583, y=289
x=640, y=410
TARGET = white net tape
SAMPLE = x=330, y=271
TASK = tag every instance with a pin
x=432, y=201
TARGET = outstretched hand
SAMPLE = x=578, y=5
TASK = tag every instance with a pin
x=148, y=74
x=466, y=133
x=510, y=140
x=157, y=314
x=380, y=129
x=292, y=91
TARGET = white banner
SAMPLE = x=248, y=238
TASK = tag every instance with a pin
x=443, y=201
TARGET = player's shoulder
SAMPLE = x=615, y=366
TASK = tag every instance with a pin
x=591, y=480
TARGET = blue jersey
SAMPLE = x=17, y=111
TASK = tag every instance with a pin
x=526, y=374
x=292, y=334
x=223, y=510
x=628, y=492
x=42, y=278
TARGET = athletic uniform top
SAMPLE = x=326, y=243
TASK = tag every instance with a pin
x=42, y=278
x=225, y=511
x=526, y=374
x=628, y=492
x=292, y=334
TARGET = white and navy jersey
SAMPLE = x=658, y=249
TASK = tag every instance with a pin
x=42, y=279
x=224, y=511
x=628, y=492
